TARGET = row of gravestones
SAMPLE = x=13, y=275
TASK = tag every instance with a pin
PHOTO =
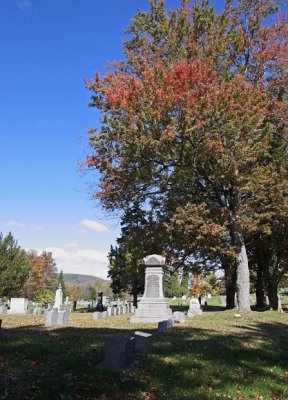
x=119, y=349
x=111, y=311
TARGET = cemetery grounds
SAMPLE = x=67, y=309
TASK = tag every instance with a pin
x=218, y=355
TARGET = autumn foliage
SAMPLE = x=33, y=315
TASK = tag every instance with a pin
x=194, y=128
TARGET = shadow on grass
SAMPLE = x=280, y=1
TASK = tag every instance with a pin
x=188, y=363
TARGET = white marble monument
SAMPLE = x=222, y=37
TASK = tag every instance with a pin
x=153, y=307
x=58, y=298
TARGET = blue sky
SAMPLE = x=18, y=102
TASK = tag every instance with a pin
x=48, y=47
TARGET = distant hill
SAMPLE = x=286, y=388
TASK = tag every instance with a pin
x=83, y=280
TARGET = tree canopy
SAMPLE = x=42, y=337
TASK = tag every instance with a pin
x=194, y=128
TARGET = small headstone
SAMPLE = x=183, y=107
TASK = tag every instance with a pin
x=38, y=310
x=63, y=317
x=194, y=308
x=179, y=316
x=96, y=315
x=164, y=326
x=143, y=342
x=104, y=315
x=120, y=308
x=3, y=310
x=209, y=295
x=118, y=352
x=51, y=318
x=109, y=311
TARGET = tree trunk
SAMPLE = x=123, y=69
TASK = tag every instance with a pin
x=243, y=280
x=230, y=285
x=272, y=292
x=260, y=295
x=135, y=299
x=74, y=305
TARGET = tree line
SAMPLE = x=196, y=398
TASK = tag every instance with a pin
x=36, y=277
x=192, y=146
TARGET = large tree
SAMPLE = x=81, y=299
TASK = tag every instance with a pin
x=188, y=120
x=14, y=267
x=43, y=277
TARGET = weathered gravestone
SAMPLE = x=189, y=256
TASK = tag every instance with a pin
x=104, y=315
x=3, y=310
x=179, y=316
x=63, y=317
x=143, y=342
x=118, y=352
x=18, y=306
x=96, y=315
x=153, y=307
x=194, y=308
x=51, y=318
x=165, y=325
x=38, y=310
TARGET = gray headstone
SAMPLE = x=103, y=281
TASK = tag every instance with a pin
x=96, y=315
x=118, y=352
x=51, y=318
x=3, y=310
x=179, y=316
x=38, y=310
x=164, y=326
x=104, y=315
x=143, y=342
x=194, y=308
x=63, y=317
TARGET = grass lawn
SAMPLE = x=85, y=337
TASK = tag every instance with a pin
x=215, y=356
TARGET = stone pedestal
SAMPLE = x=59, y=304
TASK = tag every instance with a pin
x=153, y=307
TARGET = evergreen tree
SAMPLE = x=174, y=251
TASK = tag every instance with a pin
x=14, y=267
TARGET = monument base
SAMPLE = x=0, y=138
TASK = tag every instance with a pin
x=151, y=311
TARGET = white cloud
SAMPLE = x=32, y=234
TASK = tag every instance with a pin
x=84, y=261
x=94, y=225
x=89, y=254
x=58, y=253
x=23, y=4
x=14, y=224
